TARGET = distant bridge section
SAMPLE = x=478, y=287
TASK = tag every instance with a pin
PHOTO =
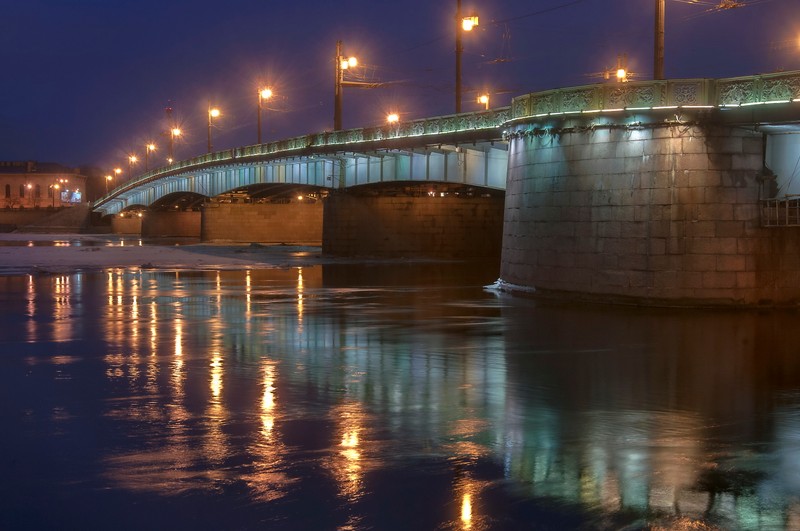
x=466, y=149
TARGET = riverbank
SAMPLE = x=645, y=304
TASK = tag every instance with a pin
x=58, y=253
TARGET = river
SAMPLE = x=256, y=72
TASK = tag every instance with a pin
x=377, y=396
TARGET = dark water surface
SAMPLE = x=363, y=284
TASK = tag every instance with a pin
x=385, y=397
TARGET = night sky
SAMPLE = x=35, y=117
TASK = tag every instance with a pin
x=85, y=82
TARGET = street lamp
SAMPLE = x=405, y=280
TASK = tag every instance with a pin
x=463, y=24
x=147, y=149
x=132, y=159
x=392, y=118
x=108, y=179
x=213, y=112
x=173, y=134
x=263, y=94
x=483, y=99
x=342, y=64
x=55, y=188
x=345, y=63
x=658, y=55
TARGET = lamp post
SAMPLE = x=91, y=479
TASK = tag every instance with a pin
x=213, y=112
x=342, y=64
x=55, y=188
x=263, y=94
x=483, y=99
x=173, y=134
x=108, y=179
x=462, y=24
x=132, y=159
x=658, y=56
x=147, y=149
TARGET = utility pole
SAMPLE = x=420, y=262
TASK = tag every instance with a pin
x=337, y=91
x=459, y=51
x=658, y=58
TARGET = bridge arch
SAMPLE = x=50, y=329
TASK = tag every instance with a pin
x=182, y=200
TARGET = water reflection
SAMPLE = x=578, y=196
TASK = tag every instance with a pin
x=318, y=385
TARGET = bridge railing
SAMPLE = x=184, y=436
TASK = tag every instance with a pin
x=753, y=90
x=737, y=91
x=781, y=212
x=728, y=92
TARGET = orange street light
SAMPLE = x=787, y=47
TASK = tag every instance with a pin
x=463, y=24
x=483, y=99
x=263, y=94
x=147, y=149
x=392, y=118
x=213, y=112
x=173, y=134
x=342, y=64
x=467, y=23
x=132, y=159
x=55, y=188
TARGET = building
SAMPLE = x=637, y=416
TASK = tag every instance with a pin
x=31, y=184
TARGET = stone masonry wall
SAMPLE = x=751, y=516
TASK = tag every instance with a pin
x=442, y=227
x=182, y=224
x=126, y=225
x=295, y=223
x=668, y=214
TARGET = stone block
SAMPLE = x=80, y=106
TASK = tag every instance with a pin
x=720, y=161
x=720, y=194
x=691, y=279
x=640, y=279
x=701, y=229
x=729, y=229
x=730, y=143
x=691, y=196
x=633, y=262
x=731, y=263
x=693, y=145
x=664, y=132
x=693, y=162
x=609, y=229
x=716, y=212
x=630, y=148
x=665, y=280
x=662, y=146
x=746, y=161
x=633, y=229
x=746, y=280
x=719, y=280
x=753, y=145
x=700, y=262
x=747, y=197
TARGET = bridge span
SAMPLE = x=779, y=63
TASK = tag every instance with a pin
x=466, y=149
x=676, y=191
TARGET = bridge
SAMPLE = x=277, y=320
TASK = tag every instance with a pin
x=466, y=149
x=651, y=189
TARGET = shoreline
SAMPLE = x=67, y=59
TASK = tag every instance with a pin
x=26, y=253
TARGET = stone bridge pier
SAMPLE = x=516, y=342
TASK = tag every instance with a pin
x=433, y=224
x=665, y=210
